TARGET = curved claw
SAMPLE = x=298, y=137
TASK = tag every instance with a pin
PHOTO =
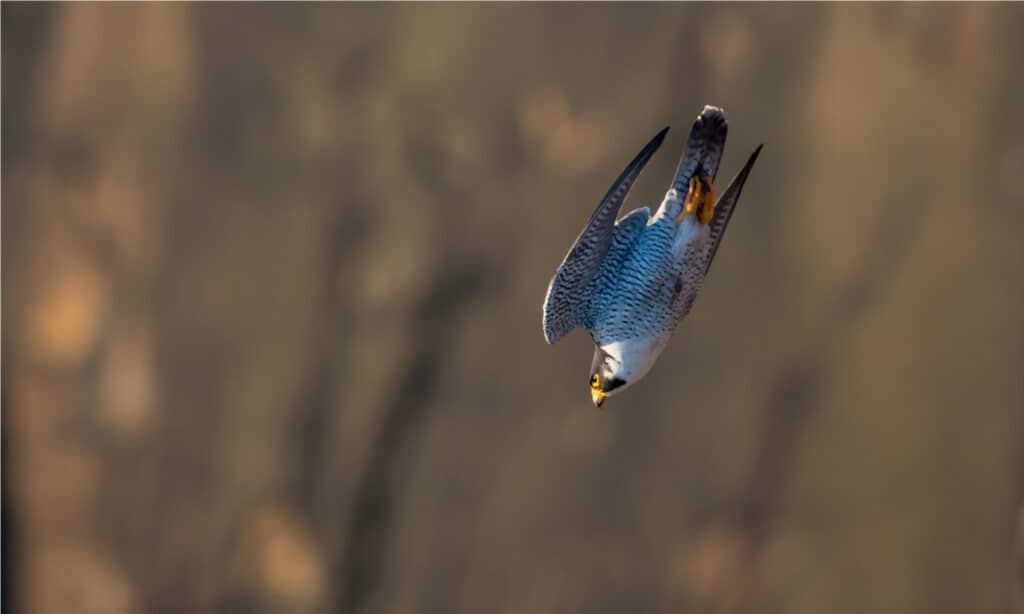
x=707, y=209
x=700, y=199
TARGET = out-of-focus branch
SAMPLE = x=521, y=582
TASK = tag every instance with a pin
x=404, y=417
x=795, y=399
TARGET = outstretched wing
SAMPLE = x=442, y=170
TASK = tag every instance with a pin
x=725, y=206
x=564, y=304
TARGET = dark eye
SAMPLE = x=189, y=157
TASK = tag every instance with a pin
x=594, y=381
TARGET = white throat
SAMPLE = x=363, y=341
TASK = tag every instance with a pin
x=635, y=356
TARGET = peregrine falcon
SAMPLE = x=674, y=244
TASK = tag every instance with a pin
x=630, y=282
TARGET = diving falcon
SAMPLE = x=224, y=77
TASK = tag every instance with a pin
x=630, y=282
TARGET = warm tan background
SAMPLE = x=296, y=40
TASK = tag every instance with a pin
x=272, y=283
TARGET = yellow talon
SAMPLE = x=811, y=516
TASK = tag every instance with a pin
x=700, y=200
x=692, y=201
x=707, y=210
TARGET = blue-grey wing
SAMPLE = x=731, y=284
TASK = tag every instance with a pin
x=628, y=231
x=624, y=238
x=602, y=288
x=565, y=303
x=724, y=208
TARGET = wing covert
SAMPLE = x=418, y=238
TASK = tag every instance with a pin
x=563, y=305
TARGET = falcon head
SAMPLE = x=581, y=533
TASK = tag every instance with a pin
x=606, y=376
x=617, y=366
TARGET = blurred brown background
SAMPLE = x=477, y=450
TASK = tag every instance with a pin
x=272, y=283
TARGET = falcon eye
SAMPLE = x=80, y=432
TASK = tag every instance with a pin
x=594, y=381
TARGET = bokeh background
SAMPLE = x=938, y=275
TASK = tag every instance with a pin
x=272, y=279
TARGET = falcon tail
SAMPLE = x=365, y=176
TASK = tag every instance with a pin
x=698, y=167
x=704, y=149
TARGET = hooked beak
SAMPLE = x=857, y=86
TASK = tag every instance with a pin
x=596, y=396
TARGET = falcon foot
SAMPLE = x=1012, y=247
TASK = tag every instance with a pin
x=700, y=200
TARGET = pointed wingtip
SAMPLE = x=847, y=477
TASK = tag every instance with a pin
x=658, y=138
x=753, y=157
x=646, y=153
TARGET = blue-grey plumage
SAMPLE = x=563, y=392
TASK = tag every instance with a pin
x=630, y=283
